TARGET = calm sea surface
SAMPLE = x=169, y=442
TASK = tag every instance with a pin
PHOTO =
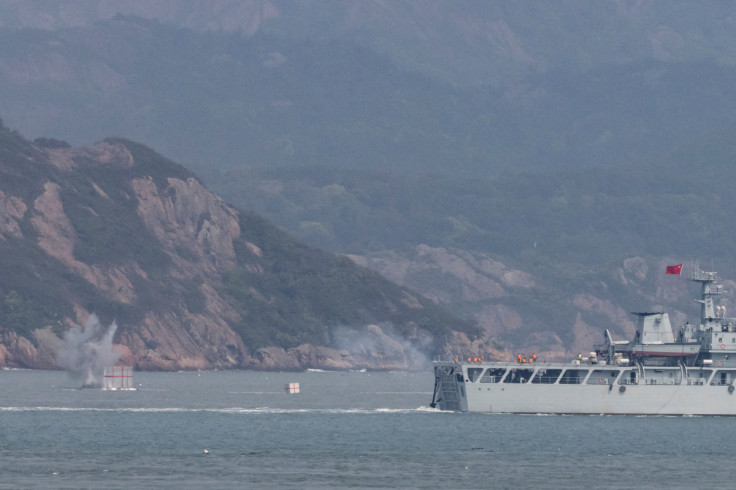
x=344, y=430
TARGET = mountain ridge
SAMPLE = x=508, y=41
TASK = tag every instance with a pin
x=277, y=99
x=575, y=143
x=119, y=231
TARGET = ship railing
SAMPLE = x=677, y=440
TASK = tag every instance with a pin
x=661, y=382
x=720, y=383
x=696, y=382
x=456, y=358
x=446, y=358
x=627, y=381
x=442, y=358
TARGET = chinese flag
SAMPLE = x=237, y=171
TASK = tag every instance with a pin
x=674, y=269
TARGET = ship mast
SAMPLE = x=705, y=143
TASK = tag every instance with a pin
x=709, y=289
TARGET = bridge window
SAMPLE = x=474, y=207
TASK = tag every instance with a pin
x=698, y=376
x=628, y=378
x=573, y=376
x=546, y=376
x=518, y=375
x=493, y=375
x=723, y=377
x=603, y=377
x=474, y=373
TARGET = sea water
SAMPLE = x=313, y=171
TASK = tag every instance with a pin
x=343, y=430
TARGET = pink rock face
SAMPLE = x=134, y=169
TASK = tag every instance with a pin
x=192, y=325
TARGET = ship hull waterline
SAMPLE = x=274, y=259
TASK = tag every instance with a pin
x=600, y=400
x=711, y=397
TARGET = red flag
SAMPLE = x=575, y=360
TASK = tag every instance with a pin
x=674, y=269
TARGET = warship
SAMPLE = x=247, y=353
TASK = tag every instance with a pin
x=658, y=372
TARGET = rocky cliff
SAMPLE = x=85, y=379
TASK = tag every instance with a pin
x=192, y=283
x=519, y=312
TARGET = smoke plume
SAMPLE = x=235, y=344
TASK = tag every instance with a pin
x=87, y=351
x=378, y=345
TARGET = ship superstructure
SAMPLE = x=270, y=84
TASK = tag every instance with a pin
x=658, y=372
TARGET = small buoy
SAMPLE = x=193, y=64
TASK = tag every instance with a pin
x=205, y=452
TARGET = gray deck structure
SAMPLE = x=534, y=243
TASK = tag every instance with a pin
x=658, y=372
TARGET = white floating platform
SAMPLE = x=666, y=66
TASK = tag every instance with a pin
x=118, y=378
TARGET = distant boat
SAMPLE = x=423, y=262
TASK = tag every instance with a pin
x=656, y=373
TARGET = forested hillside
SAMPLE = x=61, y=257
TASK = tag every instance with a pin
x=677, y=204
x=576, y=233
x=531, y=166
x=119, y=231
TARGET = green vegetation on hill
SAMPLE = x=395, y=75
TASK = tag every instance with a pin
x=571, y=230
x=304, y=293
x=363, y=135
x=287, y=294
x=675, y=205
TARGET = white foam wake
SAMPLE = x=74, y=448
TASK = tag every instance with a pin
x=230, y=410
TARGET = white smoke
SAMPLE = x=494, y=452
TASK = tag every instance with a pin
x=87, y=351
x=379, y=346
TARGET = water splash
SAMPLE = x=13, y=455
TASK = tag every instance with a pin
x=87, y=351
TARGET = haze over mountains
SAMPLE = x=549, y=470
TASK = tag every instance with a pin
x=481, y=87
x=530, y=165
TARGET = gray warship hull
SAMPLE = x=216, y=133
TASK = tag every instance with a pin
x=615, y=391
x=658, y=372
